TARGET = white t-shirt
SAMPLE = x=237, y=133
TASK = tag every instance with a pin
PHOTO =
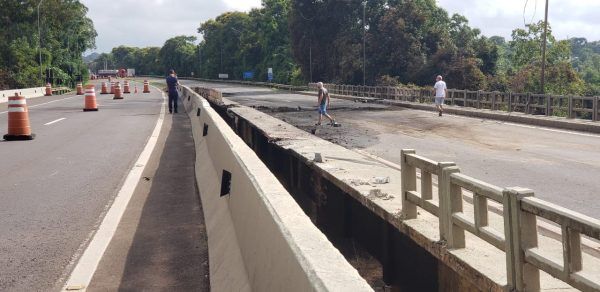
x=440, y=89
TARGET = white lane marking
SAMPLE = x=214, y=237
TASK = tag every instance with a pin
x=45, y=103
x=89, y=260
x=55, y=121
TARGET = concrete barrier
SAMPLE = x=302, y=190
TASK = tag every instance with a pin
x=27, y=92
x=259, y=238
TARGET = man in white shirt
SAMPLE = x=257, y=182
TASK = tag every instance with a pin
x=441, y=91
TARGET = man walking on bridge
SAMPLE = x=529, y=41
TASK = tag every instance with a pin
x=172, y=83
x=441, y=91
x=324, y=104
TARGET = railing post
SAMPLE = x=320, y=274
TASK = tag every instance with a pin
x=509, y=102
x=570, y=108
x=478, y=99
x=571, y=251
x=595, y=115
x=527, y=102
x=408, y=183
x=450, y=202
x=494, y=97
x=465, y=98
x=452, y=93
x=548, y=105
x=521, y=235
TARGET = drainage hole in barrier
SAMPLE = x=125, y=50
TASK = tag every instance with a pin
x=205, y=130
x=198, y=113
x=225, y=183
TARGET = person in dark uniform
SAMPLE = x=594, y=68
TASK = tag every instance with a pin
x=172, y=83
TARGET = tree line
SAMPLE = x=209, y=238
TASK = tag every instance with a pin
x=378, y=42
x=64, y=33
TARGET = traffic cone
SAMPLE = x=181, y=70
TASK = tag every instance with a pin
x=48, y=89
x=146, y=86
x=126, y=87
x=18, y=119
x=104, y=88
x=118, y=94
x=79, y=89
x=112, y=88
x=90, y=99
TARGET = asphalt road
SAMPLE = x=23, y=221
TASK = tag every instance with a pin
x=55, y=189
x=560, y=166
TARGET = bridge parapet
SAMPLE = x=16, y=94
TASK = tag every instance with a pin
x=519, y=236
x=580, y=107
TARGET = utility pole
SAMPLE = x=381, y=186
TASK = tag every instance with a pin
x=364, y=42
x=544, y=49
x=40, y=41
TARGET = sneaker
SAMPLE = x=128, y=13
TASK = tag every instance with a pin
x=440, y=113
x=317, y=124
x=170, y=111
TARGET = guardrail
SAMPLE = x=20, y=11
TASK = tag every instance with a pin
x=518, y=239
x=536, y=104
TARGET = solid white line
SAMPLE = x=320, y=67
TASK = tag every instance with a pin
x=45, y=103
x=55, y=121
x=88, y=263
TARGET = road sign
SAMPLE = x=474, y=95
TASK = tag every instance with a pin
x=248, y=75
x=270, y=74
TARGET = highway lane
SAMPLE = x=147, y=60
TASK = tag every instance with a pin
x=560, y=166
x=55, y=189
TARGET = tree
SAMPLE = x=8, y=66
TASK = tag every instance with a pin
x=65, y=34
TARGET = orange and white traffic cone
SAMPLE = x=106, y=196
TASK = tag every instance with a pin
x=90, y=99
x=146, y=86
x=104, y=88
x=126, y=87
x=118, y=94
x=79, y=89
x=48, y=89
x=18, y=119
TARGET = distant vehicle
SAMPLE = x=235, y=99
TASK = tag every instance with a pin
x=107, y=73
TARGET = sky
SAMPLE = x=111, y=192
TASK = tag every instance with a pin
x=151, y=22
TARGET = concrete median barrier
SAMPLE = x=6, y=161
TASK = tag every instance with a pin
x=259, y=238
x=26, y=92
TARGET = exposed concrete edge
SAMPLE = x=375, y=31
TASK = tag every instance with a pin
x=280, y=247
x=542, y=121
x=436, y=248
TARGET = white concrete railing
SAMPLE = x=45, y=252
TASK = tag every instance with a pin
x=259, y=238
x=518, y=239
x=26, y=92
x=584, y=107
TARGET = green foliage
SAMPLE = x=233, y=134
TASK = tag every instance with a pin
x=65, y=34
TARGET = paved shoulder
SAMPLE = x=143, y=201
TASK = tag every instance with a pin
x=161, y=243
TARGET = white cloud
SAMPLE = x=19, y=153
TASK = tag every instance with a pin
x=242, y=5
x=151, y=23
x=567, y=18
